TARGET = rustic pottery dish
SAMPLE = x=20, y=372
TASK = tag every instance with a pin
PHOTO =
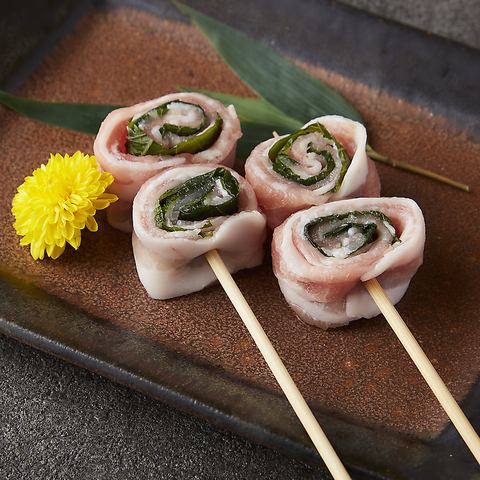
x=417, y=94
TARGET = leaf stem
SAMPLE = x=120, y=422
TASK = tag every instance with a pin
x=414, y=169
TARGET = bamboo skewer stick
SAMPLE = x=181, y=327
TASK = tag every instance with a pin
x=438, y=387
x=278, y=369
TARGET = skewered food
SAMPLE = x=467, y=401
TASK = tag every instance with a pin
x=138, y=142
x=184, y=212
x=322, y=255
x=322, y=162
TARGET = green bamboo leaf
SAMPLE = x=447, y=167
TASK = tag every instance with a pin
x=253, y=110
x=253, y=134
x=81, y=117
x=269, y=74
x=86, y=118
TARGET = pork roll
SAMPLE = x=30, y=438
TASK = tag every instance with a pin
x=138, y=142
x=322, y=255
x=186, y=211
x=323, y=162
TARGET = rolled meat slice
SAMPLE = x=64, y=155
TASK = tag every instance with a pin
x=184, y=212
x=322, y=255
x=322, y=162
x=138, y=142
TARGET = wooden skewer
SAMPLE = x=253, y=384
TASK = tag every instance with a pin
x=426, y=368
x=278, y=369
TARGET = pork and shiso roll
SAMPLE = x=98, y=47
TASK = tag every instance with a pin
x=184, y=212
x=323, y=162
x=322, y=255
x=138, y=142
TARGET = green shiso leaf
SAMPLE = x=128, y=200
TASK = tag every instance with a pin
x=335, y=227
x=189, y=201
x=282, y=163
x=196, y=139
x=198, y=143
x=81, y=117
x=272, y=76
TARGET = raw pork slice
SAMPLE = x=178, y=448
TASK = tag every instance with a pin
x=118, y=136
x=186, y=211
x=322, y=255
x=299, y=175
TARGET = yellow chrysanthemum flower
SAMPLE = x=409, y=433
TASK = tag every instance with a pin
x=61, y=198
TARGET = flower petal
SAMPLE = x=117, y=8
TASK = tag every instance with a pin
x=91, y=224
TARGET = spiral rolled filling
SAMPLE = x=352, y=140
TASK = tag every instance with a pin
x=194, y=204
x=172, y=128
x=311, y=157
x=349, y=234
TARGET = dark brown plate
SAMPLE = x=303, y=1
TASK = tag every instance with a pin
x=418, y=96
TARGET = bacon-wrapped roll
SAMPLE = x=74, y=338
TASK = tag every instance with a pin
x=186, y=211
x=136, y=143
x=321, y=256
x=324, y=161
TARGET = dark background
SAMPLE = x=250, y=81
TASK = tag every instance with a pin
x=58, y=421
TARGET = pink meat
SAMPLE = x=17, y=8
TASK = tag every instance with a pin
x=279, y=197
x=170, y=264
x=131, y=172
x=327, y=291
